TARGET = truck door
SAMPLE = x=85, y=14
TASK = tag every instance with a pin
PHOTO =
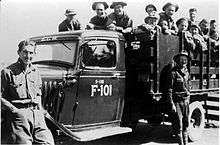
x=101, y=83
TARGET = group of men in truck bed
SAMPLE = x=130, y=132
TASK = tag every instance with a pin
x=196, y=33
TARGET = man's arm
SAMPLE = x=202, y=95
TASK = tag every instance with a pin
x=5, y=105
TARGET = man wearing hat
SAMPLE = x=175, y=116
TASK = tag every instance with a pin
x=169, y=10
x=150, y=9
x=189, y=44
x=70, y=23
x=198, y=39
x=177, y=92
x=101, y=20
x=121, y=20
x=21, y=100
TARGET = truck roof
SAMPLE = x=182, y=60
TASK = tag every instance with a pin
x=77, y=35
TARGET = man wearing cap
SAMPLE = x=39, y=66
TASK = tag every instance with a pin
x=101, y=20
x=169, y=10
x=192, y=17
x=204, y=27
x=21, y=100
x=121, y=20
x=70, y=23
x=177, y=92
x=200, y=42
x=150, y=9
x=189, y=44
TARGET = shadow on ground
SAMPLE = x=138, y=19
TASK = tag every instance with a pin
x=142, y=134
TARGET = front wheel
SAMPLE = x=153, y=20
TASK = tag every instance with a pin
x=196, y=121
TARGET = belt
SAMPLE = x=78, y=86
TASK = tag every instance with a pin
x=26, y=105
x=180, y=96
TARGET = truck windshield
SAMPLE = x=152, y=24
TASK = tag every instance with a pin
x=56, y=51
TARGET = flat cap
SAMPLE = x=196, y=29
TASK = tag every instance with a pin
x=95, y=3
x=70, y=12
x=118, y=3
x=170, y=4
x=150, y=6
x=181, y=20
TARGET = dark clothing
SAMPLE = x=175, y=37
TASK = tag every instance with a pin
x=178, y=93
x=189, y=44
x=170, y=21
x=101, y=22
x=20, y=88
x=69, y=26
x=123, y=21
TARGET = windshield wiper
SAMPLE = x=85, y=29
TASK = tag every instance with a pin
x=64, y=45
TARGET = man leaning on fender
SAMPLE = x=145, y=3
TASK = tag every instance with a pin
x=21, y=100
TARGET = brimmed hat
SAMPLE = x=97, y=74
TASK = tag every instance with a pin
x=95, y=3
x=170, y=4
x=70, y=12
x=118, y=3
x=182, y=53
x=150, y=5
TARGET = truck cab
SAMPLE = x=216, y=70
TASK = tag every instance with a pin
x=83, y=75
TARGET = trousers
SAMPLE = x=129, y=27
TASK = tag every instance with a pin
x=28, y=126
x=180, y=120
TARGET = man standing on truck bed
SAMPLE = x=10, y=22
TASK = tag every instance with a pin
x=101, y=20
x=70, y=23
x=21, y=100
x=178, y=93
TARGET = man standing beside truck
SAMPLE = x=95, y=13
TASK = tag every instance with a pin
x=178, y=95
x=21, y=100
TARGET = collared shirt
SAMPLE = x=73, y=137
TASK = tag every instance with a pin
x=121, y=21
x=170, y=21
x=177, y=82
x=69, y=26
x=100, y=22
x=18, y=84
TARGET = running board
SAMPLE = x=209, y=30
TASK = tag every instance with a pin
x=88, y=135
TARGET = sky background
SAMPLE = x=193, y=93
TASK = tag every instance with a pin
x=20, y=19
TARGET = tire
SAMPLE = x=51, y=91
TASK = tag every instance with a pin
x=196, y=121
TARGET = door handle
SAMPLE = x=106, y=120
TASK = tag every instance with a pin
x=116, y=75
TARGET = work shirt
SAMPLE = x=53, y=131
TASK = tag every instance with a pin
x=121, y=21
x=69, y=26
x=18, y=84
x=101, y=22
x=178, y=85
x=170, y=21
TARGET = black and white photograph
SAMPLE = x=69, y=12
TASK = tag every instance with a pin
x=109, y=72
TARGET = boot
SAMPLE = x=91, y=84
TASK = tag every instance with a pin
x=180, y=138
x=185, y=137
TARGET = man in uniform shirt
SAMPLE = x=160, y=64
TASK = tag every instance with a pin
x=70, y=23
x=21, y=100
x=101, y=20
x=178, y=94
x=121, y=20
